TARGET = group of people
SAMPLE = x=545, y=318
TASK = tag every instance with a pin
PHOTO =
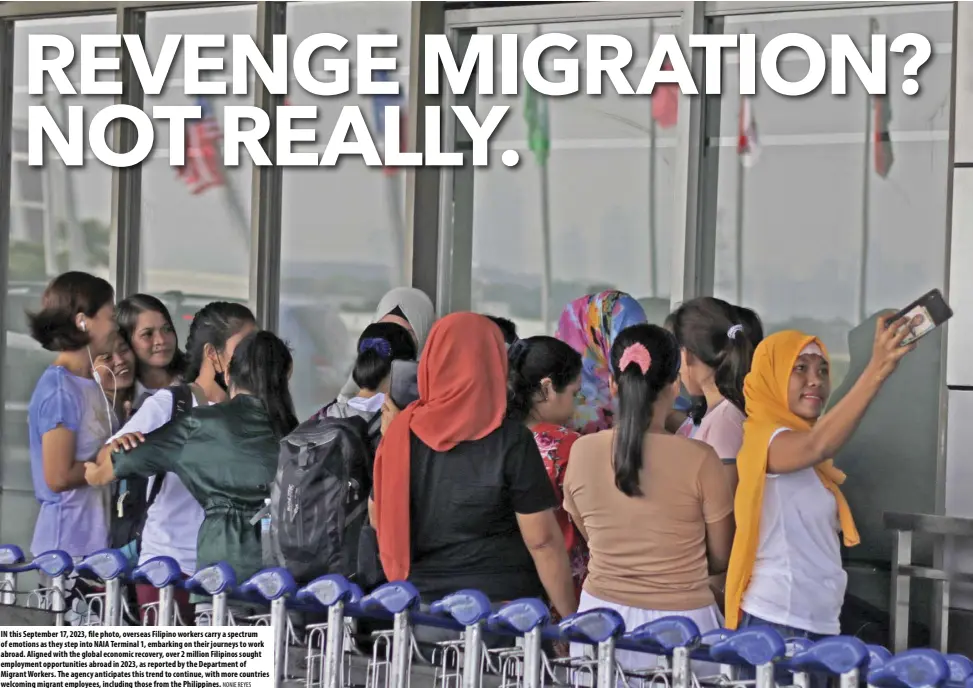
x=681, y=468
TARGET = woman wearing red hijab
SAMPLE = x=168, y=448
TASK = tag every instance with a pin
x=462, y=498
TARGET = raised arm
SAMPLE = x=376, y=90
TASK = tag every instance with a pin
x=795, y=451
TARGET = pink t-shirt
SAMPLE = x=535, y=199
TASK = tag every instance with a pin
x=721, y=428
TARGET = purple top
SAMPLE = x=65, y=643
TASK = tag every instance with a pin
x=75, y=521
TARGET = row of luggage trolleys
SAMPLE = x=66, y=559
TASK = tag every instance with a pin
x=463, y=663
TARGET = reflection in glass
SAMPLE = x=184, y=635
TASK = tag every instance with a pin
x=343, y=243
x=822, y=230
x=609, y=184
x=195, y=234
x=60, y=219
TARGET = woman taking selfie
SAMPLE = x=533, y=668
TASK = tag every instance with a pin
x=786, y=569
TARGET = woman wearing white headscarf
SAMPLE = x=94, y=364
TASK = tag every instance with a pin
x=405, y=306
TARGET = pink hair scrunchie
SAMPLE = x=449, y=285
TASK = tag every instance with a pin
x=638, y=354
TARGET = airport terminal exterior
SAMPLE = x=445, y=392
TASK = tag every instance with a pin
x=854, y=204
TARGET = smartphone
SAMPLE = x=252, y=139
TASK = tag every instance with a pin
x=403, y=383
x=929, y=311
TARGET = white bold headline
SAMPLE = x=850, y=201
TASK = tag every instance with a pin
x=599, y=57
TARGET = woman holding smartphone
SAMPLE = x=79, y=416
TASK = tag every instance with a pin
x=785, y=569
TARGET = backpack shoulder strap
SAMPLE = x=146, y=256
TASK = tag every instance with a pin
x=182, y=400
x=156, y=489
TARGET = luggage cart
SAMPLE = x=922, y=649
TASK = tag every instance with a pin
x=56, y=565
x=841, y=656
x=330, y=645
x=104, y=608
x=11, y=558
x=164, y=574
x=273, y=586
x=670, y=641
x=392, y=650
x=600, y=628
x=216, y=582
x=911, y=669
x=463, y=661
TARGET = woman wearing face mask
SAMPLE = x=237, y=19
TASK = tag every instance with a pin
x=786, y=568
x=404, y=306
x=146, y=325
x=69, y=417
x=224, y=454
x=172, y=521
x=589, y=325
x=543, y=380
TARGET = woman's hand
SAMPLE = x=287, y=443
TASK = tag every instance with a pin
x=127, y=442
x=887, y=350
x=96, y=474
x=389, y=412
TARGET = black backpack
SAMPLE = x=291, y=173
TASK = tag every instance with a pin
x=319, y=500
x=131, y=498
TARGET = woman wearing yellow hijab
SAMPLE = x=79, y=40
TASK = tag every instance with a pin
x=785, y=568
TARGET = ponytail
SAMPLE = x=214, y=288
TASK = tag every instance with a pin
x=532, y=360
x=645, y=360
x=710, y=329
x=261, y=365
x=733, y=367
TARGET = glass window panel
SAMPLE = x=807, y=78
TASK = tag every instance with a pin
x=812, y=219
x=30, y=182
x=344, y=239
x=609, y=181
x=804, y=223
x=195, y=242
x=61, y=220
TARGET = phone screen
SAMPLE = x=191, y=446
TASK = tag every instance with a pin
x=920, y=322
x=924, y=315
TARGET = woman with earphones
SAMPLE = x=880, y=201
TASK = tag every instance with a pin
x=69, y=418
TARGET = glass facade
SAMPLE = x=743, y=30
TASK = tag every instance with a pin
x=811, y=235
x=60, y=219
x=609, y=184
x=816, y=233
x=343, y=229
x=183, y=266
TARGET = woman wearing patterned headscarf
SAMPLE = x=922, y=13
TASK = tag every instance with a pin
x=590, y=325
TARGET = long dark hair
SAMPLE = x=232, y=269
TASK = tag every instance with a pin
x=530, y=361
x=379, y=344
x=68, y=294
x=213, y=324
x=508, y=327
x=637, y=393
x=710, y=329
x=127, y=314
x=261, y=365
